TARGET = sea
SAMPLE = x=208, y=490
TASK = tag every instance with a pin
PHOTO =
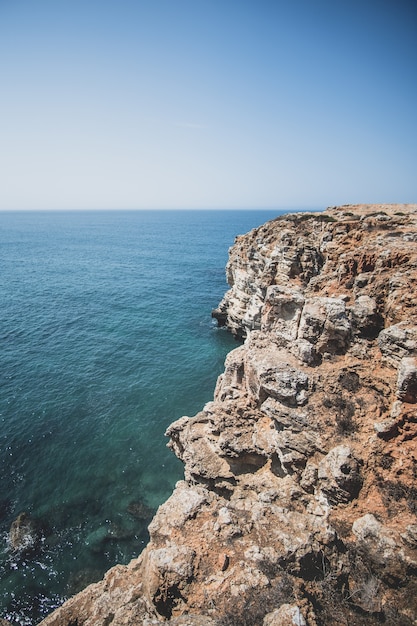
x=106, y=338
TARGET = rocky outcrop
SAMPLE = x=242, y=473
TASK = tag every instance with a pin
x=298, y=504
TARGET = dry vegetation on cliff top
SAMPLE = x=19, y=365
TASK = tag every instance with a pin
x=298, y=504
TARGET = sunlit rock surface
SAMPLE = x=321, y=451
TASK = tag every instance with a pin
x=299, y=498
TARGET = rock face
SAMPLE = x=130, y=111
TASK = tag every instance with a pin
x=299, y=500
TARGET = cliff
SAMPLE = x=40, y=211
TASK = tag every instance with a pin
x=298, y=504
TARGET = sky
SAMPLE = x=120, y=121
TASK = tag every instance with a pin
x=133, y=104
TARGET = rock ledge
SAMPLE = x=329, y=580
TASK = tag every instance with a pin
x=298, y=504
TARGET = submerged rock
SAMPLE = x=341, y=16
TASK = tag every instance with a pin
x=23, y=535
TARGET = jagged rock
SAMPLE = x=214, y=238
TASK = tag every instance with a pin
x=229, y=384
x=383, y=548
x=295, y=419
x=299, y=477
x=339, y=475
x=325, y=324
x=407, y=380
x=168, y=570
x=286, y=615
x=410, y=535
x=182, y=506
x=309, y=477
x=367, y=528
x=361, y=280
x=366, y=319
x=282, y=311
x=398, y=341
x=193, y=443
x=386, y=428
x=284, y=383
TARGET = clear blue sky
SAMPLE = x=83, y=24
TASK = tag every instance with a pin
x=207, y=103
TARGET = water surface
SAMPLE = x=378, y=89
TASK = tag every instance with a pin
x=106, y=338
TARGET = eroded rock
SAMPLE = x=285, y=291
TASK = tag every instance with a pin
x=397, y=342
x=286, y=615
x=339, y=475
x=299, y=477
x=325, y=324
x=407, y=380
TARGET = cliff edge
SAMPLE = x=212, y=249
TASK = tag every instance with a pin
x=298, y=504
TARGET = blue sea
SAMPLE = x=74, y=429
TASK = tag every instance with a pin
x=106, y=338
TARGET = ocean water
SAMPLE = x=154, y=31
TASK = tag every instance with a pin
x=106, y=338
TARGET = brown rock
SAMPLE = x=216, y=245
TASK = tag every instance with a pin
x=224, y=562
x=299, y=486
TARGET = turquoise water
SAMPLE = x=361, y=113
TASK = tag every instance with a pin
x=106, y=338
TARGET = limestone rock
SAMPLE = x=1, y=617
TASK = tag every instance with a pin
x=410, y=535
x=397, y=342
x=407, y=380
x=299, y=477
x=183, y=505
x=383, y=546
x=286, y=615
x=366, y=319
x=339, y=475
x=168, y=567
x=325, y=324
x=282, y=311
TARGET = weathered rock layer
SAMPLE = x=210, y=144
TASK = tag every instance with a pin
x=298, y=504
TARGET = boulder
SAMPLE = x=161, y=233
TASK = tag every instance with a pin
x=284, y=383
x=367, y=322
x=325, y=325
x=384, y=548
x=282, y=311
x=397, y=342
x=407, y=380
x=339, y=475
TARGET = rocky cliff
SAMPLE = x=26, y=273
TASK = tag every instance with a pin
x=298, y=504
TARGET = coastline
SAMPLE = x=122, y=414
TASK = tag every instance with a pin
x=297, y=499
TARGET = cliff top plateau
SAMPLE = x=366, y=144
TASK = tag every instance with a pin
x=299, y=498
